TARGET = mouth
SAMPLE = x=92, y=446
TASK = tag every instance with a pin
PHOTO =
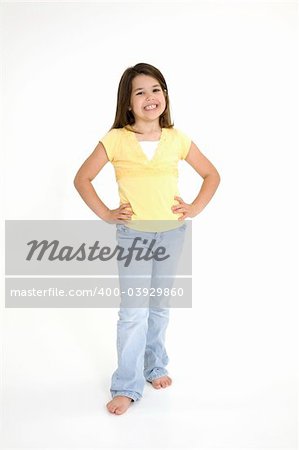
x=151, y=107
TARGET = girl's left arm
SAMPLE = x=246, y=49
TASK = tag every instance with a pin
x=211, y=180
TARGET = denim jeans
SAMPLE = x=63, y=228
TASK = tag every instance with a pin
x=143, y=319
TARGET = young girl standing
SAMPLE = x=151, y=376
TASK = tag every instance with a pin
x=144, y=148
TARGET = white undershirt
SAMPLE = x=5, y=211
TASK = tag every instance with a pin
x=149, y=148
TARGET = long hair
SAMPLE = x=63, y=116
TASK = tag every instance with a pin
x=123, y=116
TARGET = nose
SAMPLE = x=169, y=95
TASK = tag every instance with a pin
x=150, y=97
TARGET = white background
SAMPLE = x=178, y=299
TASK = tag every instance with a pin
x=231, y=69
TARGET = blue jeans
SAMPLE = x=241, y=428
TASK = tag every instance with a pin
x=142, y=322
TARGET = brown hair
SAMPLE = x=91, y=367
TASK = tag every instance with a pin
x=125, y=117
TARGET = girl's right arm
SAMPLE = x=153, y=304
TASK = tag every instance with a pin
x=83, y=183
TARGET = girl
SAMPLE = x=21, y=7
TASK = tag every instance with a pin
x=144, y=148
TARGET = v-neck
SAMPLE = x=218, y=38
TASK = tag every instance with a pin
x=139, y=148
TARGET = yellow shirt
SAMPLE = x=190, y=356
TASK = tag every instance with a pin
x=148, y=185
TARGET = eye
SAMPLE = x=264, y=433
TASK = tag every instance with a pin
x=154, y=90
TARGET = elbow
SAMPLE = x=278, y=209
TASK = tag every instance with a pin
x=76, y=182
x=216, y=176
x=79, y=182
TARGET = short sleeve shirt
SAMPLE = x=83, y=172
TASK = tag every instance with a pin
x=148, y=185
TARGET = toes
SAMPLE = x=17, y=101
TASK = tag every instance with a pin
x=162, y=382
x=110, y=408
x=168, y=381
x=121, y=407
x=114, y=408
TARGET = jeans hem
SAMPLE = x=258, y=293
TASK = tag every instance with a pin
x=133, y=396
x=155, y=377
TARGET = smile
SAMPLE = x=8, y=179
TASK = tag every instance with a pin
x=149, y=107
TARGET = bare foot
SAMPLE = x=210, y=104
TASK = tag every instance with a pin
x=162, y=382
x=119, y=404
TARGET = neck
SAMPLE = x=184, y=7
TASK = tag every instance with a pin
x=146, y=128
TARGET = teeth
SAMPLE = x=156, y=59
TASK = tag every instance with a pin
x=150, y=107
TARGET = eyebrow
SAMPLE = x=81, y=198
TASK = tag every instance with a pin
x=138, y=89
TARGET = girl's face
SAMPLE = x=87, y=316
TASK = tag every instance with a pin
x=147, y=98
